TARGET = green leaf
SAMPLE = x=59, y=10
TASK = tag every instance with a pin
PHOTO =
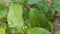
x=43, y=5
x=15, y=18
x=57, y=32
x=17, y=1
x=38, y=19
x=32, y=1
x=50, y=26
x=2, y=31
x=2, y=7
x=57, y=5
x=3, y=11
x=37, y=30
x=34, y=17
x=15, y=15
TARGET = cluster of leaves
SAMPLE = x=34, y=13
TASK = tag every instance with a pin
x=28, y=16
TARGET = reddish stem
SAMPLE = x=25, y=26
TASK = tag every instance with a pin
x=26, y=5
x=51, y=5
